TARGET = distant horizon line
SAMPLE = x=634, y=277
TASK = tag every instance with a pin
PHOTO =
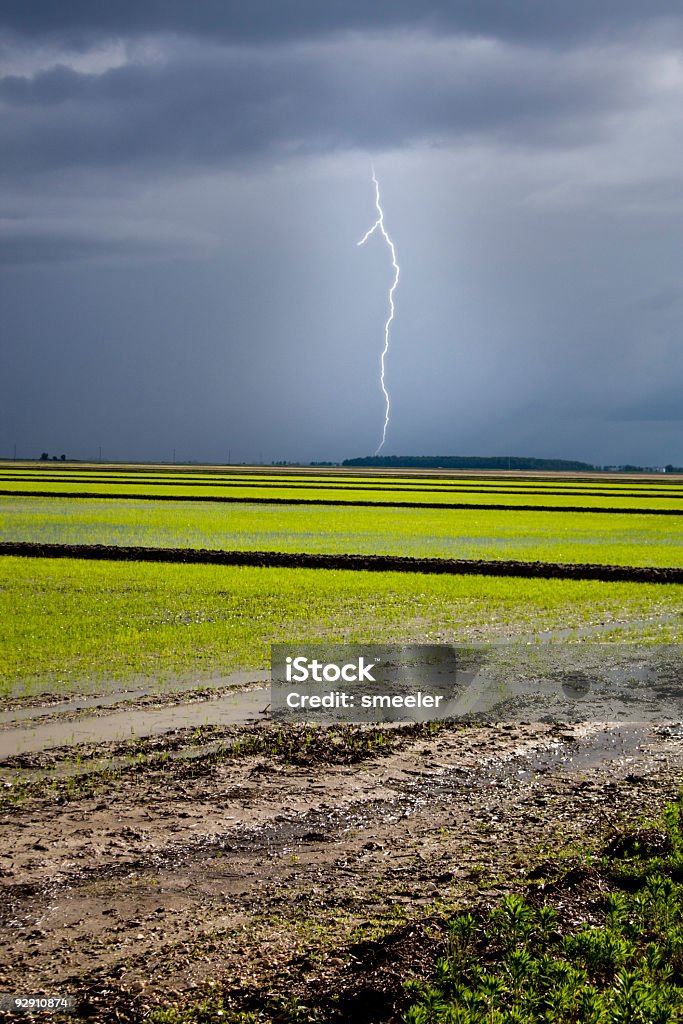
x=445, y=462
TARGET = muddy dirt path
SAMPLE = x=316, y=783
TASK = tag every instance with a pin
x=237, y=869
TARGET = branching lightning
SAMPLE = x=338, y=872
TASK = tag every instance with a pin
x=379, y=223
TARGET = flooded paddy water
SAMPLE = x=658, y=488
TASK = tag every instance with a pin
x=150, y=708
x=106, y=719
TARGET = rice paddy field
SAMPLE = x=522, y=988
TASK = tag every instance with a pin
x=79, y=625
x=448, y=533
x=174, y=855
x=394, y=491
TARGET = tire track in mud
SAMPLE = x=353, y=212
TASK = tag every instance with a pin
x=411, y=794
x=354, y=563
x=357, y=503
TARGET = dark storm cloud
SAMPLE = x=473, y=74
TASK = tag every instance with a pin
x=261, y=20
x=209, y=104
x=171, y=251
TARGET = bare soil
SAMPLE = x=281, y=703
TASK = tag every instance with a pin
x=265, y=862
x=356, y=563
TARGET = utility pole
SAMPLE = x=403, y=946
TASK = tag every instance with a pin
x=15, y=451
x=174, y=456
x=100, y=458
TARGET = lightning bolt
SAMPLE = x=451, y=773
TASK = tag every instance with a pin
x=379, y=223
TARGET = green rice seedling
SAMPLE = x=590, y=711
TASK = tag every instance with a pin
x=71, y=625
x=477, y=491
x=430, y=533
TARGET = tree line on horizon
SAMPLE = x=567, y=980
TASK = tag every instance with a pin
x=491, y=462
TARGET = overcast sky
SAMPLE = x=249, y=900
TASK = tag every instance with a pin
x=182, y=187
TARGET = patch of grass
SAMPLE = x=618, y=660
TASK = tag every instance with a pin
x=537, y=962
x=360, y=478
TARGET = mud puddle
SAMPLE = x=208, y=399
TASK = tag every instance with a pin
x=39, y=707
x=617, y=747
x=554, y=682
x=43, y=724
x=534, y=681
x=239, y=707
